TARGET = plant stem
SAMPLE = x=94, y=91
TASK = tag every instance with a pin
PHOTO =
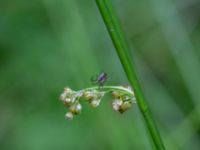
x=107, y=88
x=116, y=34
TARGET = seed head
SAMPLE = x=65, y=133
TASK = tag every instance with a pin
x=123, y=99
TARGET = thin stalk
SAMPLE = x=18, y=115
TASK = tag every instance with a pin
x=107, y=88
x=121, y=47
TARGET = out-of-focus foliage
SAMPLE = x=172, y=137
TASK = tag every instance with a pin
x=48, y=44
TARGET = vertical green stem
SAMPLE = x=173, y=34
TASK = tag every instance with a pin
x=113, y=27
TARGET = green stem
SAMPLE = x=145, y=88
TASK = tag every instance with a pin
x=107, y=88
x=113, y=27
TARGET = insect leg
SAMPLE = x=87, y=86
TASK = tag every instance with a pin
x=93, y=79
x=101, y=84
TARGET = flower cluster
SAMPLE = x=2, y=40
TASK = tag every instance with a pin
x=122, y=102
x=123, y=98
x=93, y=97
x=70, y=99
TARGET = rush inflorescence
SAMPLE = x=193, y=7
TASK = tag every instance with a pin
x=123, y=98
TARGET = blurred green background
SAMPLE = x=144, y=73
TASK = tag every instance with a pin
x=46, y=45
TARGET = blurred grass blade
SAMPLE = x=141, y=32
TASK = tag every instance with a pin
x=180, y=45
x=119, y=42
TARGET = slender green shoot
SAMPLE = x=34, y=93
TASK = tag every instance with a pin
x=116, y=34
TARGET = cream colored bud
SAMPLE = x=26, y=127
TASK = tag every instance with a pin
x=117, y=104
x=67, y=101
x=125, y=98
x=67, y=90
x=69, y=116
x=66, y=93
x=63, y=96
x=76, y=108
x=89, y=95
x=125, y=106
x=116, y=94
x=95, y=103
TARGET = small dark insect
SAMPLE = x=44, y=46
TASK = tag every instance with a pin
x=100, y=79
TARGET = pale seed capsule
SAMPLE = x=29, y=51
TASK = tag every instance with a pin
x=69, y=116
x=117, y=104
x=63, y=96
x=116, y=94
x=68, y=90
x=76, y=108
x=125, y=106
x=67, y=101
x=95, y=103
x=66, y=93
x=89, y=95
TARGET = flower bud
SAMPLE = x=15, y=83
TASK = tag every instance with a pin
x=125, y=106
x=66, y=93
x=67, y=101
x=117, y=104
x=90, y=95
x=63, y=96
x=69, y=116
x=68, y=90
x=76, y=108
x=95, y=102
x=116, y=94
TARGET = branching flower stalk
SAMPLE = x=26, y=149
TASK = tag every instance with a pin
x=123, y=98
